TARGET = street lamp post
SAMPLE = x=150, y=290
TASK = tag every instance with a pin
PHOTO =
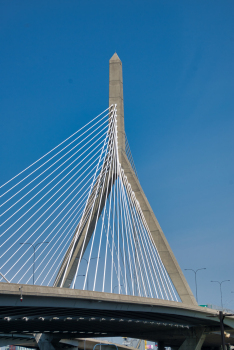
x=221, y=316
x=117, y=286
x=195, y=272
x=78, y=276
x=34, y=247
x=220, y=285
x=97, y=257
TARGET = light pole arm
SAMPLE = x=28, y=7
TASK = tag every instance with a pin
x=34, y=248
x=195, y=273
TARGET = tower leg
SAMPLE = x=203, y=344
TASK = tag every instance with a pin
x=195, y=341
x=44, y=341
x=161, y=345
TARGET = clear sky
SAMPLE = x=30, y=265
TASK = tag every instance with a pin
x=179, y=105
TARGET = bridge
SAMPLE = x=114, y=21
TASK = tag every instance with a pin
x=82, y=253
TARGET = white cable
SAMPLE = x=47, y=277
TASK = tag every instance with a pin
x=148, y=286
x=152, y=253
x=59, y=274
x=118, y=234
x=39, y=235
x=118, y=224
x=38, y=266
x=50, y=199
x=56, y=168
x=53, y=187
x=144, y=232
x=157, y=254
x=120, y=196
x=81, y=221
x=75, y=223
x=112, y=255
x=126, y=229
x=54, y=236
x=87, y=229
x=113, y=153
x=52, y=179
x=138, y=220
x=138, y=231
x=156, y=264
x=107, y=234
x=159, y=267
x=164, y=274
x=105, y=166
x=131, y=236
x=169, y=280
x=40, y=225
x=116, y=172
x=63, y=239
x=128, y=222
x=118, y=250
x=133, y=243
x=110, y=162
x=116, y=253
x=138, y=247
x=127, y=206
x=53, y=194
x=81, y=254
x=94, y=233
x=128, y=234
x=50, y=152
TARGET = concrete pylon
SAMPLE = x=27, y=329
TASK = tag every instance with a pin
x=166, y=254
x=194, y=342
x=116, y=97
x=66, y=273
x=161, y=345
x=44, y=341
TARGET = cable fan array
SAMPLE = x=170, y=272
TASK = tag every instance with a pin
x=71, y=219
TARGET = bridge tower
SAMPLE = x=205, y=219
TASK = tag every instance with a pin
x=167, y=256
x=67, y=270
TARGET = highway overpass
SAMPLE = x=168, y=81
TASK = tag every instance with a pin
x=68, y=313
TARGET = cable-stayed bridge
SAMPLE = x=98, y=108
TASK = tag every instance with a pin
x=77, y=218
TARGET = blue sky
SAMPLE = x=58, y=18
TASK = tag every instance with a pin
x=178, y=94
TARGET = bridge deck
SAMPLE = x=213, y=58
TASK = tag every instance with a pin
x=60, y=304
x=81, y=313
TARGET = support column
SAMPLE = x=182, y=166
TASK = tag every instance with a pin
x=44, y=341
x=195, y=341
x=161, y=345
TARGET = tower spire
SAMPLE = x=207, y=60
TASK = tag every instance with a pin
x=116, y=97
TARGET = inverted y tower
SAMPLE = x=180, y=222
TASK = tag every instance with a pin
x=165, y=252
x=67, y=273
